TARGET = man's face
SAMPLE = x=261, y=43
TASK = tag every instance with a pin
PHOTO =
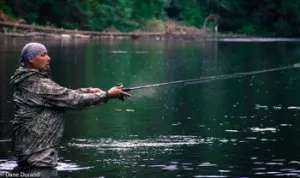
x=41, y=61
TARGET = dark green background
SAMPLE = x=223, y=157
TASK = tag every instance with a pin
x=255, y=17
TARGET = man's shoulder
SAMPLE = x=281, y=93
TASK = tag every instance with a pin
x=36, y=79
x=40, y=85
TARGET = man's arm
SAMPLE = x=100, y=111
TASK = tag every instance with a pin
x=88, y=90
x=57, y=96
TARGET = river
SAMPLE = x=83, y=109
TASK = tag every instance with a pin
x=241, y=127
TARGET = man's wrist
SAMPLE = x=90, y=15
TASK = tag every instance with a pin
x=106, y=96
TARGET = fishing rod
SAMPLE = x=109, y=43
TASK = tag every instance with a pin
x=212, y=78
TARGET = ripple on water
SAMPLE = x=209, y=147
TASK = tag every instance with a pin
x=277, y=107
x=161, y=141
x=207, y=164
x=9, y=165
x=267, y=173
x=259, y=106
x=287, y=175
x=232, y=131
x=267, y=129
x=212, y=176
x=294, y=107
x=266, y=166
x=170, y=168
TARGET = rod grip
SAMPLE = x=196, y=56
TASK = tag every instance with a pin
x=126, y=89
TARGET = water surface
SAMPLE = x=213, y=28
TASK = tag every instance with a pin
x=240, y=127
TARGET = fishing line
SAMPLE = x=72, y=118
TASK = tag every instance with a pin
x=213, y=78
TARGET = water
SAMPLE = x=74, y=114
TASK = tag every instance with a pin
x=239, y=127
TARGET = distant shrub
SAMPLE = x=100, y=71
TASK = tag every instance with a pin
x=154, y=25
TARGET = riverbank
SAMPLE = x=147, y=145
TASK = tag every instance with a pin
x=154, y=29
x=170, y=31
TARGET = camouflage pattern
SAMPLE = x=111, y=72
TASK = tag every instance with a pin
x=38, y=122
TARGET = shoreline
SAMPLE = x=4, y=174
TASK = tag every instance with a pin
x=31, y=31
x=16, y=30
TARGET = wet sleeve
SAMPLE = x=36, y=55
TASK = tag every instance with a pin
x=83, y=90
x=58, y=96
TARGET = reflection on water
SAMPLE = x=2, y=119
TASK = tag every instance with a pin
x=237, y=127
x=260, y=39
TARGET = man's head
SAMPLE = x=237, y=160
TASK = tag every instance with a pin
x=35, y=56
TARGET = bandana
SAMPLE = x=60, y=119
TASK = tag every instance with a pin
x=30, y=50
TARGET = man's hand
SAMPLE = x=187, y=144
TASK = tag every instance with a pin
x=117, y=92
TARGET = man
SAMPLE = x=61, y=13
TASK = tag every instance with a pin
x=39, y=106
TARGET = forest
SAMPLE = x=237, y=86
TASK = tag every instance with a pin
x=255, y=17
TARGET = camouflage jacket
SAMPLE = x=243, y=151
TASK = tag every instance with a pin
x=39, y=106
